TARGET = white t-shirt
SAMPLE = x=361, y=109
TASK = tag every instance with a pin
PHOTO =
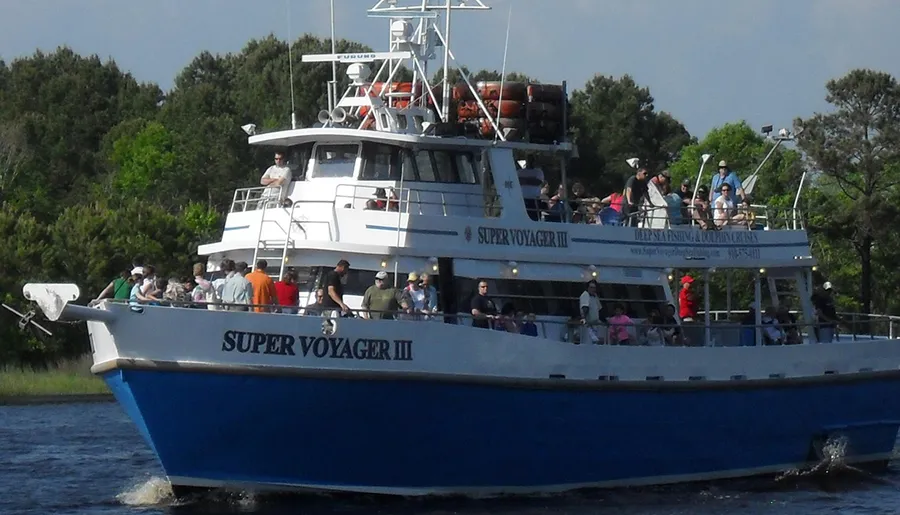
x=277, y=172
x=418, y=298
x=723, y=210
x=593, y=304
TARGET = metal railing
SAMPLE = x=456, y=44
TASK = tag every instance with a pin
x=250, y=199
x=853, y=326
x=405, y=199
x=758, y=217
x=573, y=330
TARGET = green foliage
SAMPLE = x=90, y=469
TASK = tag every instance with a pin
x=143, y=161
x=857, y=150
x=744, y=150
x=614, y=120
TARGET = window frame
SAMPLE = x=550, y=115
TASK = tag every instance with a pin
x=315, y=168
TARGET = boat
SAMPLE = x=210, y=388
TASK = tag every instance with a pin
x=434, y=405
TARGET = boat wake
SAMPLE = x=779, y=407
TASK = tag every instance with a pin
x=832, y=471
x=155, y=491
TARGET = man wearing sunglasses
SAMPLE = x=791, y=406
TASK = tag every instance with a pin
x=726, y=176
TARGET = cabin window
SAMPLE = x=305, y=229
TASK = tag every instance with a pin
x=333, y=161
x=402, y=122
x=407, y=165
x=381, y=162
x=298, y=160
x=558, y=298
x=443, y=163
x=466, y=168
x=492, y=205
x=424, y=166
x=358, y=281
x=419, y=121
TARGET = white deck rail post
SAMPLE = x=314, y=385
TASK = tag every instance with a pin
x=757, y=297
x=706, y=305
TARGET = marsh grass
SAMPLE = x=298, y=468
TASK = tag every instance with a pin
x=70, y=377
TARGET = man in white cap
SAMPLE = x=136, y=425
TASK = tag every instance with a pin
x=726, y=176
x=380, y=301
x=826, y=314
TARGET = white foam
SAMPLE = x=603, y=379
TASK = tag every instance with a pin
x=151, y=492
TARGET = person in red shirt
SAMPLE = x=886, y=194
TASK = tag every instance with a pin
x=687, y=300
x=287, y=293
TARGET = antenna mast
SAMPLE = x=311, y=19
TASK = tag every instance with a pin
x=332, y=97
x=445, y=101
x=503, y=69
x=291, y=66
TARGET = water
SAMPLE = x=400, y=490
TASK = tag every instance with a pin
x=89, y=459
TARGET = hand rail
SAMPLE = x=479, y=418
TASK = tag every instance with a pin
x=570, y=330
x=404, y=198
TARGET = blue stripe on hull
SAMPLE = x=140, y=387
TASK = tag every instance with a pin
x=416, y=435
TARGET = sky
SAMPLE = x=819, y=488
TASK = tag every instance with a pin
x=707, y=62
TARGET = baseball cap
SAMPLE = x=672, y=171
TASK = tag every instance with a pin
x=686, y=181
x=381, y=275
x=687, y=279
x=413, y=277
x=827, y=285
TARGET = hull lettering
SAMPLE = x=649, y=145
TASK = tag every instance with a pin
x=317, y=346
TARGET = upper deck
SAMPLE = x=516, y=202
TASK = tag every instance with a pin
x=455, y=197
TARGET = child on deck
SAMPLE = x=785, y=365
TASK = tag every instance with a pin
x=618, y=327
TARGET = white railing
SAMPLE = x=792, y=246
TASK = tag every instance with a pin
x=854, y=326
x=415, y=200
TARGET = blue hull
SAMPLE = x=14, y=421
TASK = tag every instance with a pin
x=417, y=437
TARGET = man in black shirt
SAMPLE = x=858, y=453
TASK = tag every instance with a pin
x=826, y=314
x=483, y=308
x=334, y=287
x=635, y=191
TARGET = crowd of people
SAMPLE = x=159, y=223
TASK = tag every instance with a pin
x=241, y=288
x=722, y=203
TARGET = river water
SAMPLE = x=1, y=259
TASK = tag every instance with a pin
x=89, y=459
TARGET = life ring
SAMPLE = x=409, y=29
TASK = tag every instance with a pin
x=394, y=87
x=543, y=111
x=518, y=124
x=468, y=109
x=512, y=123
x=545, y=93
x=462, y=92
x=507, y=108
x=490, y=90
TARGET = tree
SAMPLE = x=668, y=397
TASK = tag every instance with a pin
x=857, y=150
x=63, y=104
x=615, y=119
x=13, y=153
x=145, y=164
x=744, y=149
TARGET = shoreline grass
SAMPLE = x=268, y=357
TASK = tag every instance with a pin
x=71, y=377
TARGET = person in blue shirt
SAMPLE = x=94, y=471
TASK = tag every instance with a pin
x=726, y=176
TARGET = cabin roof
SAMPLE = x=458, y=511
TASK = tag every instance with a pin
x=291, y=137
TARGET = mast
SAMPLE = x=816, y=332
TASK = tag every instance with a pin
x=421, y=43
x=445, y=101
